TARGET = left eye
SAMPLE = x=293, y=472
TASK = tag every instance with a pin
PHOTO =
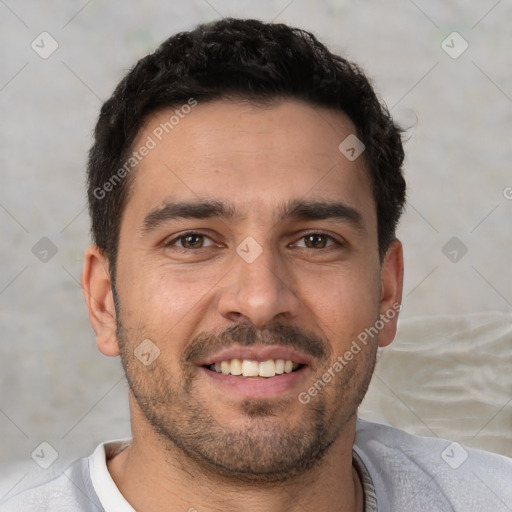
x=318, y=240
x=191, y=241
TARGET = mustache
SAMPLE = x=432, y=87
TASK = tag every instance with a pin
x=206, y=344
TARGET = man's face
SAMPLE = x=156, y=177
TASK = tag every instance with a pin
x=269, y=276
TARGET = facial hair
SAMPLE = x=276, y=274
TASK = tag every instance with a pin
x=267, y=449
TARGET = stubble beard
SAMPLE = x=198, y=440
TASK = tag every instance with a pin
x=267, y=449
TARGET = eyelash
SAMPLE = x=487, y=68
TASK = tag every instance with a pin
x=188, y=233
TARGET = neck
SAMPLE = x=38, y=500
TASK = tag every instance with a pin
x=153, y=477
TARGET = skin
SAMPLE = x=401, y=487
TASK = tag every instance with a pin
x=199, y=445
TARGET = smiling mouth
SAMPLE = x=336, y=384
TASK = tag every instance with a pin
x=252, y=368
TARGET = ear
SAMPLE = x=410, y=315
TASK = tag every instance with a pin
x=392, y=276
x=97, y=288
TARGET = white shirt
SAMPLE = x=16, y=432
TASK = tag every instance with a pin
x=400, y=473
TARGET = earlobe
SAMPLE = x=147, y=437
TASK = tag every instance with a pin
x=392, y=275
x=97, y=289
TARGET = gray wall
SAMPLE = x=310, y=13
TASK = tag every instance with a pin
x=55, y=386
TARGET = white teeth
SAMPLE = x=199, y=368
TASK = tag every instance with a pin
x=250, y=368
x=236, y=367
x=225, y=367
x=267, y=368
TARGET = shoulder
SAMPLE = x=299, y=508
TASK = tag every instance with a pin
x=70, y=491
x=430, y=473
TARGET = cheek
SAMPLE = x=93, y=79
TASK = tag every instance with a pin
x=343, y=303
x=166, y=301
x=150, y=284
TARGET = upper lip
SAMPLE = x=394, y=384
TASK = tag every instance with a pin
x=255, y=353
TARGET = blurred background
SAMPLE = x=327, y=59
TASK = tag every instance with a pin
x=443, y=68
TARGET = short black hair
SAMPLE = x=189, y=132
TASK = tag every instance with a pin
x=249, y=60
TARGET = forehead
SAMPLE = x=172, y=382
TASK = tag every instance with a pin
x=255, y=157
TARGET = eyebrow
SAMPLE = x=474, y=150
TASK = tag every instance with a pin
x=202, y=209
x=323, y=210
x=297, y=209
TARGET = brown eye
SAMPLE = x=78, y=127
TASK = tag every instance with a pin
x=192, y=241
x=318, y=241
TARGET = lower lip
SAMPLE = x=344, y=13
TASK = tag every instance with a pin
x=258, y=387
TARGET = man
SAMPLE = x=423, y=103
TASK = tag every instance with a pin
x=244, y=187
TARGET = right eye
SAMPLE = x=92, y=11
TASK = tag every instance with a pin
x=190, y=240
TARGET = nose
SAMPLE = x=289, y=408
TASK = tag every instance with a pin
x=259, y=291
